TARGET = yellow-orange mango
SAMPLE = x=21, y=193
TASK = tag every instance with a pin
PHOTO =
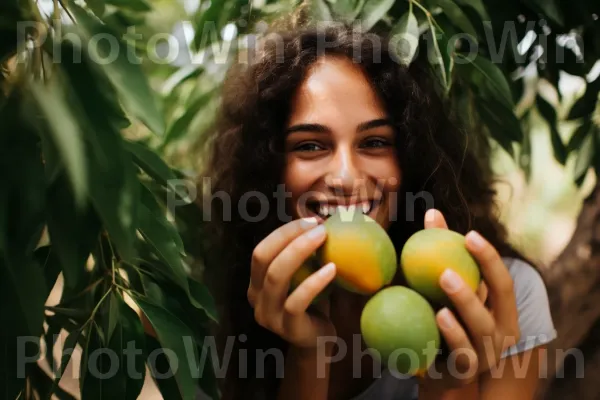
x=362, y=251
x=425, y=256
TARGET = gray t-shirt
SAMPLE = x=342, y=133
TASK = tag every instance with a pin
x=535, y=322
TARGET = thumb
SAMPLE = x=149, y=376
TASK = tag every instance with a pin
x=435, y=219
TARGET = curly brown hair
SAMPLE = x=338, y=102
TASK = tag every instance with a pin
x=245, y=154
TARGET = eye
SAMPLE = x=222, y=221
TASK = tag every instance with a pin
x=308, y=147
x=376, y=143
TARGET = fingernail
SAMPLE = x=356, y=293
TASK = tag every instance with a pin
x=445, y=319
x=450, y=281
x=327, y=269
x=316, y=232
x=430, y=215
x=475, y=240
x=308, y=222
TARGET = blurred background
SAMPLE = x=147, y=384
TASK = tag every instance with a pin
x=85, y=144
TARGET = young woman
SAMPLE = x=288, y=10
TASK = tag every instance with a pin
x=328, y=117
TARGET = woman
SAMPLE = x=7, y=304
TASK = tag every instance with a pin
x=327, y=118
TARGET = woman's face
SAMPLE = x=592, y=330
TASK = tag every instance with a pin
x=340, y=146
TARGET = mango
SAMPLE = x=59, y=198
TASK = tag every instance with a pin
x=362, y=251
x=425, y=256
x=398, y=326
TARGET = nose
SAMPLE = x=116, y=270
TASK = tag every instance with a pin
x=344, y=177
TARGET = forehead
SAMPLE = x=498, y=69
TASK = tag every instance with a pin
x=335, y=88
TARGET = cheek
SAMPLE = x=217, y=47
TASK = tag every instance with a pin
x=298, y=179
x=388, y=172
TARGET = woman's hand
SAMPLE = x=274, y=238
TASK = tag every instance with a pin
x=274, y=261
x=487, y=332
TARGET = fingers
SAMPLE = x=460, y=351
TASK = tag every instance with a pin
x=273, y=244
x=499, y=282
x=482, y=292
x=301, y=298
x=274, y=289
x=476, y=317
x=460, y=346
x=435, y=219
x=279, y=274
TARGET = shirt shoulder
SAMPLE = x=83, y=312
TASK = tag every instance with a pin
x=533, y=306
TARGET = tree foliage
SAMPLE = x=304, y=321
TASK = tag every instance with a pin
x=86, y=147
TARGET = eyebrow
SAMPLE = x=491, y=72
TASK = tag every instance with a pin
x=319, y=128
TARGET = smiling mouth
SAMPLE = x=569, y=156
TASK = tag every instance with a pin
x=326, y=210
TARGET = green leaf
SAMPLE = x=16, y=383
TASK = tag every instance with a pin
x=16, y=340
x=113, y=183
x=446, y=43
x=596, y=161
x=95, y=367
x=56, y=323
x=126, y=75
x=151, y=163
x=180, y=126
x=585, y=156
x=48, y=260
x=134, y=5
x=549, y=8
x=373, y=11
x=164, y=380
x=586, y=104
x=549, y=114
x=178, y=338
x=27, y=280
x=43, y=384
x=178, y=78
x=124, y=368
x=115, y=197
x=73, y=232
x=50, y=337
x=165, y=295
x=210, y=21
x=346, y=10
x=578, y=136
x=478, y=6
x=406, y=34
x=66, y=135
x=162, y=237
x=113, y=315
x=97, y=106
x=131, y=333
x=456, y=16
x=320, y=10
x=22, y=207
x=503, y=125
x=76, y=313
x=97, y=6
x=438, y=57
x=486, y=78
x=204, y=298
x=67, y=352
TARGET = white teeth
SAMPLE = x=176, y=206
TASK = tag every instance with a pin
x=365, y=207
x=323, y=211
x=326, y=211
